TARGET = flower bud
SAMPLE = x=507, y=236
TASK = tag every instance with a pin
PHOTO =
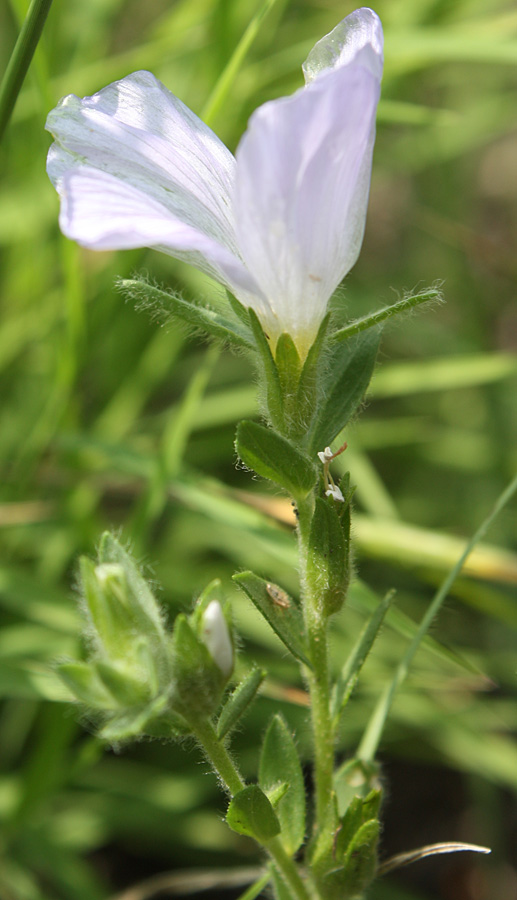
x=216, y=636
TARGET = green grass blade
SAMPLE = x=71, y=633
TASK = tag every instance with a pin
x=21, y=59
x=374, y=729
x=229, y=73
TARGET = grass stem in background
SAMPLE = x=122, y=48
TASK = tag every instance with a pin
x=21, y=59
x=373, y=732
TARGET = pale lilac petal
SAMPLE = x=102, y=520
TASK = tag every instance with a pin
x=358, y=38
x=178, y=176
x=303, y=172
x=103, y=212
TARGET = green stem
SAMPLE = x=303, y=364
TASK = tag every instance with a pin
x=21, y=59
x=218, y=755
x=233, y=782
x=316, y=624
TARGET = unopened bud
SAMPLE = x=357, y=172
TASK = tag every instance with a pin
x=216, y=637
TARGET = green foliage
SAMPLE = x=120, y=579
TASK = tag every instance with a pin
x=329, y=554
x=280, y=610
x=274, y=457
x=250, y=813
x=280, y=764
x=239, y=701
x=343, y=383
x=96, y=400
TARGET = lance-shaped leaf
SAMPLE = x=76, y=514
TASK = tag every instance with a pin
x=350, y=367
x=239, y=701
x=284, y=616
x=350, y=672
x=251, y=813
x=275, y=458
x=280, y=764
x=170, y=305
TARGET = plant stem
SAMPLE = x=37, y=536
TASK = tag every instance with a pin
x=218, y=755
x=21, y=58
x=233, y=782
x=316, y=625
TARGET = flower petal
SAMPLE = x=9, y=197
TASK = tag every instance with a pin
x=358, y=38
x=303, y=173
x=103, y=212
x=167, y=177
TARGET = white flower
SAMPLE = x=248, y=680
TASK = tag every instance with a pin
x=216, y=637
x=279, y=225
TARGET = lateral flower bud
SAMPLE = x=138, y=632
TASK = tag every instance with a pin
x=202, y=655
x=216, y=637
x=126, y=682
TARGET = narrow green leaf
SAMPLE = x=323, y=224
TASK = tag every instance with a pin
x=280, y=764
x=349, y=369
x=350, y=672
x=168, y=304
x=387, y=312
x=327, y=559
x=274, y=457
x=251, y=813
x=239, y=701
x=284, y=616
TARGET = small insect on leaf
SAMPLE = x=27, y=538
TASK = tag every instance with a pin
x=278, y=596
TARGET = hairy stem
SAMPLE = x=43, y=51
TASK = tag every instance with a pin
x=233, y=782
x=316, y=624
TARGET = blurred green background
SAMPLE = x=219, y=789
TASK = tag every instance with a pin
x=109, y=421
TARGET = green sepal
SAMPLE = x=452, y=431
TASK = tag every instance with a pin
x=274, y=457
x=140, y=600
x=122, y=685
x=307, y=391
x=107, y=610
x=328, y=556
x=279, y=765
x=359, y=865
x=239, y=701
x=274, y=400
x=134, y=722
x=359, y=812
x=289, y=367
x=84, y=683
x=170, y=305
x=354, y=778
x=198, y=681
x=251, y=813
x=343, y=382
x=282, y=613
x=213, y=591
x=345, y=864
